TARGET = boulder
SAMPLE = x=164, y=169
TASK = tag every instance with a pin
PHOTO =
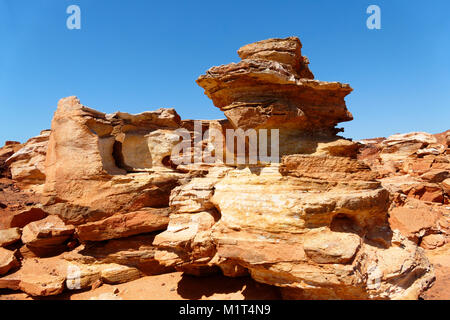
x=9, y=236
x=47, y=234
x=308, y=220
x=28, y=164
x=125, y=225
x=21, y=218
x=8, y=261
x=286, y=51
x=136, y=251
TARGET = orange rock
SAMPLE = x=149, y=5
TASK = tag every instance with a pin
x=286, y=51
x=124, y=225
x=27, y=164
x=440, y=258
x=273, y=88
x=21, y=218
x=136, y=251
x=100, y=169
x=314, y=222
x=6, y=151
x=47, y=234
x=415, y=220
x=433, y=241
x=9, y=236
x=8, y=261
x=446, y=186
x=430, y=193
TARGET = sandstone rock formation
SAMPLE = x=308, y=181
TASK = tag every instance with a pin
x=282, y=221
x=46, y=235
x=7, y=151
x=27, y=164
x=103, y=199
x=9, y=236
x=8, y=261
x=90, y=172
x=415, y=168
x=272, y=87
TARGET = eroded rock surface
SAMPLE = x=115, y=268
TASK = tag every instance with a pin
x=102, y=199
x=314, y=223
x=415, y=168
x=27, y=165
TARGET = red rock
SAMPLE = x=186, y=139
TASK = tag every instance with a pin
x=38, y=277
x=27, y=164
x=9, y=236
x=47, y=234
x=305, y=222
x=435, y=175
x=22, y=218
x=446, y=186
x=417, y=219
x=430, y=193
x=8, y=261
x=440, y=258
x=5, y=152
x=433, y=241
x=124, y=225
x=136, y=251
x=110, y=164
x=286, y=51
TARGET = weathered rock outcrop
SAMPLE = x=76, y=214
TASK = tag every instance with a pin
x=98, y=165
x=273, y=88
x=47, y=235
x=314, y=223
x=323, y=220
x=8, y=261
x=415, y=168
x=124, y=225
x=9, y=236
x=27, y=164
x=7, y=151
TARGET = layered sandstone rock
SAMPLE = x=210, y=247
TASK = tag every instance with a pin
x=27, y=165
x=51, y=276
x=273, y=88
x=286, y=51
x=124, y=225
x=7, y=151
x=21, y=218
x=47, y=235
x=187, y=244
x=414, y=167
x=314, y=223
x=136, y=252
x=98, y=165
x=316, y=237
x=320, y=220
x=8, y=261
x=9, y=236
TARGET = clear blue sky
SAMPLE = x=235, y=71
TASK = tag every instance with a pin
x=138, y=55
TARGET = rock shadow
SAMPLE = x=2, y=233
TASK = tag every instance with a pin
x=194, y=288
